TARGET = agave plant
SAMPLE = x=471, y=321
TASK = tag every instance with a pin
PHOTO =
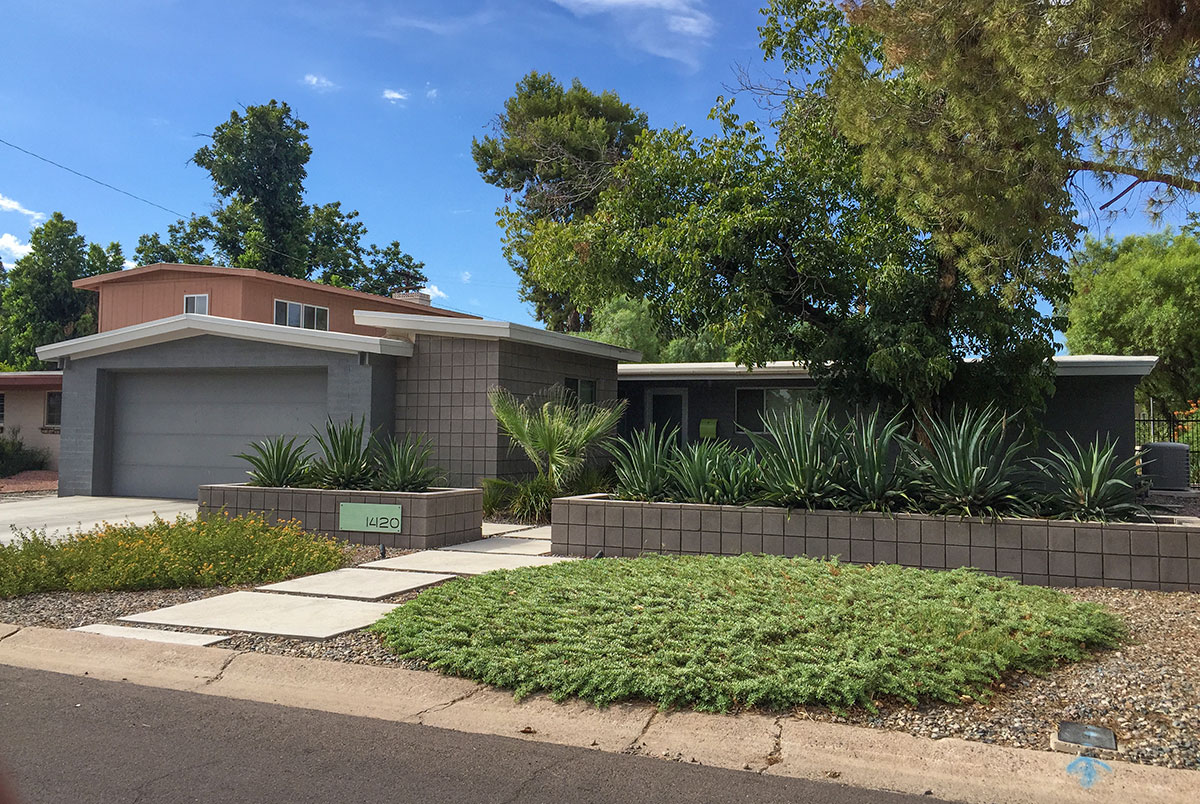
x=555, y=432
x=1090, y=482
x=641, y=463
x=971, y=464
x=277, y=462
x=799, y=458
x=346, y=460
x=874, y=476
x=403, y=464
x=712, y=472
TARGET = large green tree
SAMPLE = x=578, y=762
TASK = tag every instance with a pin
x=258, y=163
x=554, y=150
x=1141, y=296
x=633, y=324
x=39, y=304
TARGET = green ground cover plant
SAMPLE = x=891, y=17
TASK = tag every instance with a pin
x=212, y=550
x=723, y=633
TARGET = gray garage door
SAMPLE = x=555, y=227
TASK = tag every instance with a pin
x=173, y=431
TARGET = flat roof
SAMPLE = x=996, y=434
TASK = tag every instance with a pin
x=127, y=274
x=190, y=325
x=32, y=380
x=1064, y=366
x=407, y=326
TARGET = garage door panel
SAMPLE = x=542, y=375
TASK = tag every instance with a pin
x=174, y=431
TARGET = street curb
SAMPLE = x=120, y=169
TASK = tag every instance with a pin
x=950, y=769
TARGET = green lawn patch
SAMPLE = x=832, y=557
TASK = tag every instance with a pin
x=210, y=551
x=718, y=633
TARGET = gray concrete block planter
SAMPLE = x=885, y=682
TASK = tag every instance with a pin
x=1035, y=551
x=434, y=518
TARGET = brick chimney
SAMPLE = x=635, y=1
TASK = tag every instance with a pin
x=416, y=297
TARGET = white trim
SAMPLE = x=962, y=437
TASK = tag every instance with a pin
x=190, y=325
x=1099, y=365
x=407, y=325
x=187, y=296
x=681, y=392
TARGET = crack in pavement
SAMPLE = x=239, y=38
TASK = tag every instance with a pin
x=224, y=667
x=633, y=747
x=775, y=756
x=438, y=707
x=6, y=636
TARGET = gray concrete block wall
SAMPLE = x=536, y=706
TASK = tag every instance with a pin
x=428, y=520
x=1126, y=555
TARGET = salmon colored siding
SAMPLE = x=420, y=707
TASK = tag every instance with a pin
x=123, y=304
x=258, y=304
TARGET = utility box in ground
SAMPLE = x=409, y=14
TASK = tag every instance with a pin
x=1166, y=465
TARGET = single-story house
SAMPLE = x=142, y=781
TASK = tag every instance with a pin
x=31, y=409
x=193, y=363
x=1093, y=395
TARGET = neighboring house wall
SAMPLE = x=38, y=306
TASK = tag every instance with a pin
x=353, y=384
x=155, y=296
x=25, y=415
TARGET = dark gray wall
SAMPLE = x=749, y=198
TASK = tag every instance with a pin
x=353, y=390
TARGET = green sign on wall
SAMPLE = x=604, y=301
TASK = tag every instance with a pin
x=370, y=517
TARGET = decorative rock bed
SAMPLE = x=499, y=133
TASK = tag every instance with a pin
x=398, y=519
x=1158, y=556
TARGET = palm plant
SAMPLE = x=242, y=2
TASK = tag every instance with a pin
x=799, y=458
x=403, y=464
x=347, y=458
x=554, y=431
x=971, y=464
x=712, y=472
x=277, y=462
x=874, y=476
x=1089, y=482
x=641, y=463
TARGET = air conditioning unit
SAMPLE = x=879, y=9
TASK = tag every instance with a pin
x=1166, y=465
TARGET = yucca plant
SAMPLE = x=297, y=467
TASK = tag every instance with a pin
x=641, y=463
x=277, y=462
x=403, y=464
x=971, y=465
x=1089, y=482
x=875, y=476
x=711, y=472
x=346, y=460
x=555, y=432
x=798, y=458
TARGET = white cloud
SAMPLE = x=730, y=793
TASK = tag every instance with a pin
x=431, y=93
x=9, y=205
x=12, y=248
x=395, y=95
x=129, y=264
x=434, y=292
x=465, y=276
x=318, y=82
x=673, y=29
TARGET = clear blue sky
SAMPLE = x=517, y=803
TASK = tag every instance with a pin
x=393, y=92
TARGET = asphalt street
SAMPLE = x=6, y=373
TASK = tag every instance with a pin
x=65, y=739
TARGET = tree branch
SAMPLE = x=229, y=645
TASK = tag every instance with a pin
x=1169, y=179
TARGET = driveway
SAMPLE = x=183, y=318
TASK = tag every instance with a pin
x=61, y=515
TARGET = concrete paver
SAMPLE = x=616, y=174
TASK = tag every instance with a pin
x=533, y=533
x=59, y=516
x=497, y=528
x=503, y=544
x=295, y=616
x=357, y=584
x=152, y=634
x=461, y=562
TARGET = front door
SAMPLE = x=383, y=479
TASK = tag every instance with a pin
x=667, y=408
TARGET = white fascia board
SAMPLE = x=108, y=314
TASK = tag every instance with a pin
x=776, y=369
x=1103, y=365
x=190, y=325
x=410, y=324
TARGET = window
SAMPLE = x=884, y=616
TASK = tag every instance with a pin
x=305, y=316
x=752, y=404
x=1, y=411
x=197, y=303
x=584, y=391
x=54, y=408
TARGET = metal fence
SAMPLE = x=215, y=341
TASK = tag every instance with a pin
x=1184, y=430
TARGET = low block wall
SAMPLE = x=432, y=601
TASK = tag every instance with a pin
x=434, y=518
x=1034, y=551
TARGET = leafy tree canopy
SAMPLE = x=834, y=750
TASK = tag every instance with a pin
x=39, y=304
x=257, y=161
x=632, y=324
x=553, y=151
x=1141, y=296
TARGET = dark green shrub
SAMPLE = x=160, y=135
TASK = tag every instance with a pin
x=531, y=500
x=346, y=459
x=16, y=457
x=712, y=472
x=1089, y=482
x=971, y=464
x=277, y=462
x=875, y=476
x=641, y=462
x=799, y=458
x=404, y=465
x=497, y=496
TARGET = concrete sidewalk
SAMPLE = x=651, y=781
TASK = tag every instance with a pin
x=60, y=515
x=949, y=769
